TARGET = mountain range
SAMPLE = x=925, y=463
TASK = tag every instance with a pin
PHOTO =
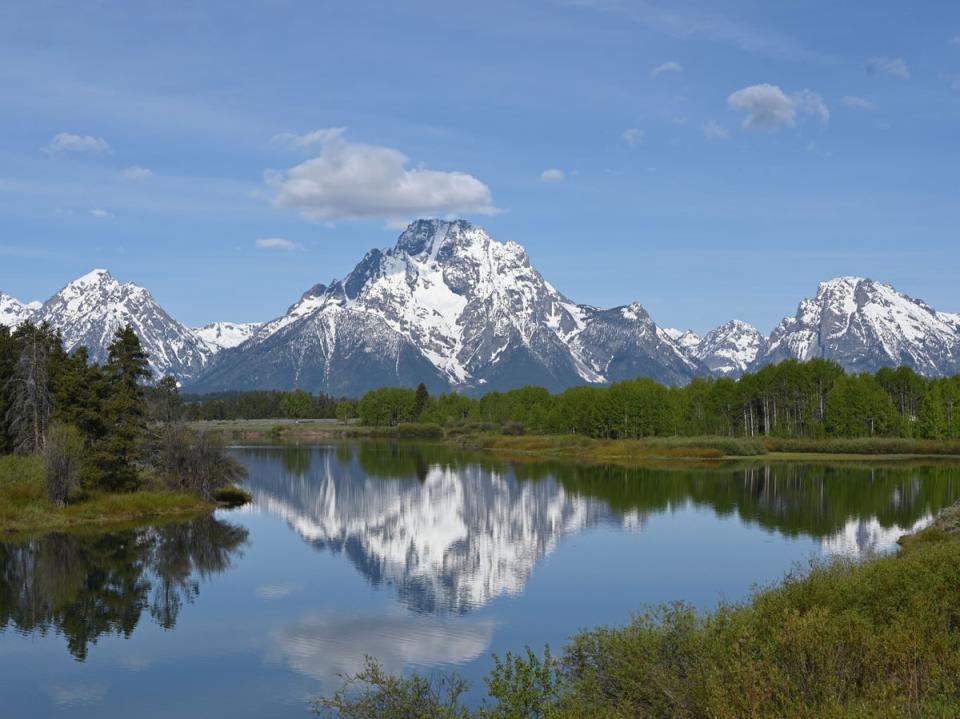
x=453, y=308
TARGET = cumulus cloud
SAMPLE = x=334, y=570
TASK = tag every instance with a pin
x=553, y=175
x=101, y=214
x=278, y=243
x=68, y=142
x=713, y=131
x=892, y=66
x=670, y=66
x=356, y=181
x=858, y=103
x=768, y=107
x=632, y=136
x=137, y=174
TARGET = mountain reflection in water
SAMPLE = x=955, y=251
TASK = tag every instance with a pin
x=452, y=532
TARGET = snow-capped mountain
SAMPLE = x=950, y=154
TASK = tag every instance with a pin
x=13, y=312
x=865, y=325
x=730, y=348
x=218, y=336
x=687, y=340
x=449, y=306
x=89, y=310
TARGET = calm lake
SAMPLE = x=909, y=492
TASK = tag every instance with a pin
x=421, y=557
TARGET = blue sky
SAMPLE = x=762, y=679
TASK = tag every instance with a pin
x=710, y=160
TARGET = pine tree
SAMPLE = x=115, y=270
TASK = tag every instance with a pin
x=420, y=400
x=116, y=455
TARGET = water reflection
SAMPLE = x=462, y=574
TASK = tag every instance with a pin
x=451, y=532
x=86, y=586
x=325, y=647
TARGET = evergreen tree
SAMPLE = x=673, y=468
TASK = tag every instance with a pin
x=420, y=400
x=115, y=456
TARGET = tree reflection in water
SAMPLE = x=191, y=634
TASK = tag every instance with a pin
x=85, y=586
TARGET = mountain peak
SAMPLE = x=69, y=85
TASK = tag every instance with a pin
x=427, y=235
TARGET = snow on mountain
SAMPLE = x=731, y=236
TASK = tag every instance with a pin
x=89, y=310
x=13, y=312
x=218, y=336
x=730, y=348
x=452, y=307
x=865, y=325
x=687, y=340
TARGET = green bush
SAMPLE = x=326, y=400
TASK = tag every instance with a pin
x=513, y=429
x=419, y=430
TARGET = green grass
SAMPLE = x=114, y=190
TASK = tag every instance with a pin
x=866, y=446
x=24, y=506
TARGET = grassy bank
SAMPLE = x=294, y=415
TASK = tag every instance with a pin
x=584, y=449
x=24, y=506
x=843, y=639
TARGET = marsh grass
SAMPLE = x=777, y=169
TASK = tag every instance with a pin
x=25, y=507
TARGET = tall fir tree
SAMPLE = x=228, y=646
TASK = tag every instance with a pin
x=29, y=398
x=117, y=454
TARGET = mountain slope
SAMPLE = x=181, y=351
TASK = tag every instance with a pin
x=89, y=310
x=450, y=306
x=13, y=312
x=865, y=325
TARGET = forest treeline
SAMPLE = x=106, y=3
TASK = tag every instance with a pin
x=814, y=399
x=100, y=428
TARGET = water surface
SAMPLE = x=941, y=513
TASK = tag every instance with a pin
x=422, y=557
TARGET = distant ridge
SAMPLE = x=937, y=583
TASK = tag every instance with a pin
x=453, y=308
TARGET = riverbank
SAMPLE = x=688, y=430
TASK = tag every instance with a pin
x=24, y=507
x=844, y=638
x=574, y=448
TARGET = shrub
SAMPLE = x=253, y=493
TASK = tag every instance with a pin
x=195, y=462
x=513, y=429
x=419, y=430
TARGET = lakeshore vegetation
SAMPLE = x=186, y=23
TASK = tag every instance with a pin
x=840, y=639
x=82, y=442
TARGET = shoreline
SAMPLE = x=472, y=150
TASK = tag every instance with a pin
x=584, y=450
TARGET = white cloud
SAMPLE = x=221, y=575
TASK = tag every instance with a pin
x=317, y=137
x=669, y=66
x=632, y=136
x=768, y=107
x=892, y=66
x=278, y=243
x=101, y=214
x=137, y=174
x=275, y=591
x=713, y=131
x=810, y=103
x=354, y=181
x=858, y=103
x=68, y=142
x=553, y=175
x=955, y=40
